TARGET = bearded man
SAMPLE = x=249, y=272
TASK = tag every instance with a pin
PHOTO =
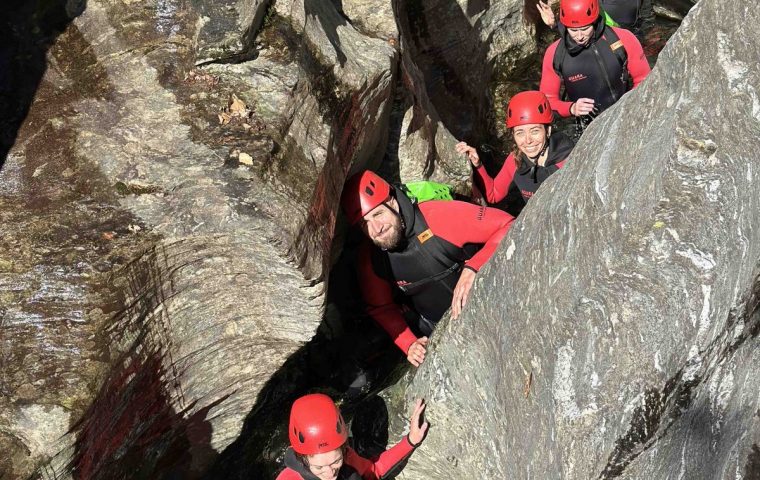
x=422, y=258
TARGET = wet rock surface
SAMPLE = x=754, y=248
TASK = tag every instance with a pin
x=168, y=215
x=458, y=60
x=162, y=261
x=228, y=28
x=614, y=335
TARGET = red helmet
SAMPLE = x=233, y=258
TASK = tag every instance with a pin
x=527, y=107
x=578, y=13
x=316, y=425
x=362, y=193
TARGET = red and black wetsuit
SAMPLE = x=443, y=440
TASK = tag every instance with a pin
x=528, y=176
x=355, y=467
x=592, y=71
x=441, y=238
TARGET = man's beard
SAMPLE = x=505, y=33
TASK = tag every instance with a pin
x=391, y=241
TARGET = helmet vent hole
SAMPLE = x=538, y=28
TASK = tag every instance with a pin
x=369, y=191
x=540, y=109
x=300, y=437
x=588, y=12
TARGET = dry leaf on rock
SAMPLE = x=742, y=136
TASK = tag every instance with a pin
x=237, y=106
x=245, y=159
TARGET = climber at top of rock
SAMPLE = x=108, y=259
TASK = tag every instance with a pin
x=424, y=258
x=319, y=444
x=596, y=63
x=540, y=150
x=628, y=14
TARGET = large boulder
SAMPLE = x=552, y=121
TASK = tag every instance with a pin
x=172, y=232
x=372, y=17
x=228, y=28
x=458, y=60
x=614, y=334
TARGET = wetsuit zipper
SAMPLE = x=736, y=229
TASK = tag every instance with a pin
x=603, y=71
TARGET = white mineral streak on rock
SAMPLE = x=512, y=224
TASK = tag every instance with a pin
x=693, y=364
x=702, y=260
x=704, y=316
x=720, y=388
x=564, y=390
x=511, y=249
x=713, y=186
x=657, y=361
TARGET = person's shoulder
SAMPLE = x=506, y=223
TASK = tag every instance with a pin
x=625, y=35
x=289, y=474
x=437, y=208
x=551, y=48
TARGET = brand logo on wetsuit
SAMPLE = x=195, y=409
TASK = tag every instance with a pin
x=526, y=193
x=401, y=283
x=577, y=78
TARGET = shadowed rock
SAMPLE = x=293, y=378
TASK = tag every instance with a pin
x=167, y=281
x=614, y=335
x=457, y=58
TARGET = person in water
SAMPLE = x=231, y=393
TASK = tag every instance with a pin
x=539, y=151
x=419, y=259
x=596, y=64
x=319, y=447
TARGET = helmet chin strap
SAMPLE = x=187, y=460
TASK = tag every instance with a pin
x=396, y=212
x=543, y=150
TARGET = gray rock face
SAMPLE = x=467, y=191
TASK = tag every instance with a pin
x=372, y=17
x=614, y=335
x=228, y=28
x=194, y=281
x=457, y=59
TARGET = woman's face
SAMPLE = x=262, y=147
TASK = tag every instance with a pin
x=530, y=138
x=326, y=465
x=581, y=35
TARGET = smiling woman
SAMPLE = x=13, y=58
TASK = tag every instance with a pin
x=319, y=444
x=539, y=151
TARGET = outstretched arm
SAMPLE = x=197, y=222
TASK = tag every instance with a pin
x=377, y=467
x=378, y=296
x=463, y=223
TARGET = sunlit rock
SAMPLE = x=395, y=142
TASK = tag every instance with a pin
x=614, y=335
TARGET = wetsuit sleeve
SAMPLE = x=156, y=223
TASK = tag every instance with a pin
x=551, y=83
x=378, y=296
x=497, y=188
x=289, y=474
x=638, y=66
x=377, y=467
x=461, y=223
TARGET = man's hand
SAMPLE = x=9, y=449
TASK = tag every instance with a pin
x=417, y=430
x=462, y=291
x=582, y=106
x=416, y=352
x=547, y=14
x=470, y=152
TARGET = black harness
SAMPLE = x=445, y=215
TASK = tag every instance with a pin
x=426, y=268
x=571, y=59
